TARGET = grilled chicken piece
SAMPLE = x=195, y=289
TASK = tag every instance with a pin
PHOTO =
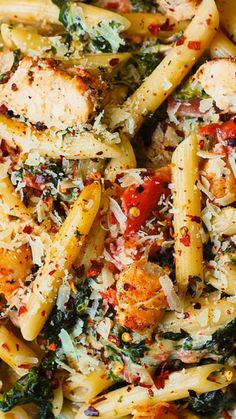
x=158, y=411
x=141, y=300
x=218, y=79
x=179, y=9
x=221, y=179
x=41, y=92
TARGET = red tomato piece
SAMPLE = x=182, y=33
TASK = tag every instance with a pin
x=225, y=131
x=138, y=201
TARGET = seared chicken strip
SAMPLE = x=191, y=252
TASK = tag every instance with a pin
x=41, y=92
x=179, y=9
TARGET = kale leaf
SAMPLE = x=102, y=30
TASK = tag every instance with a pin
x=34, y=387
x=76, y=307
x=67, y=17
x=104, y=36
x=222, y=342
x=211, y=403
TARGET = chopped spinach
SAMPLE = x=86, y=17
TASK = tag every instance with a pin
x=144, y=6
x=190, y=91
x=34, y=387
x=76, y=307
x=175, y=336
x=212, y=403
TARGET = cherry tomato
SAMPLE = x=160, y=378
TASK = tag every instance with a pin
x=138, y=201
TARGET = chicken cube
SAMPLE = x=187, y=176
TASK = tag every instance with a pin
x=218, y=79
x=141, y=300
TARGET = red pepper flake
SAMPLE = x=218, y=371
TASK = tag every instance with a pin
x=110, y=296
x=226, y=415
x=27, y=229
x=180, y=252
x=3, y=109
x=52, y=272
x=228, y=312
x=166, y=26
x=195, y=45
x=185, y=240
x=150, y=392
x=186, y=315
x=154, y=29
x=100, y=399
x=201, y=144
x=43, y=313
x=25, y=366
x=5, y=346
x=194, y=218
x=22, y=310
x=112, y=5
x=208, y=21
x=95, y=268
x=180, y=40
x=114, y=61
x=52, y=347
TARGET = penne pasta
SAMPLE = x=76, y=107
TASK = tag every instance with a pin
x=16, y=413
x=11, y=202
x=187, y=214
x=62, y=254
x=123, y=401
x=152, y=25
x=82, y=388
x=15, y=352
x=213, y=314
x=54, y=145
x=28, y=11
x=174, y=67
x=125, y=161
x=222, y=46
x=227, y=11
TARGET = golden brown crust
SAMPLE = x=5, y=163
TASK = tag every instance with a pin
x=141, y=300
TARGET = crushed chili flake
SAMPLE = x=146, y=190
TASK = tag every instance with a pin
x=195, y=45
x=5, y=346
x=154, y=29
x=180, y=40
x=43, y=313
x=226, y=415
x=27, y=229
x=3, y=109
x=185, y=240
x=95, y=268
x=208, y=21
x=186, y=315
x=110, y=296
x=194, y=218
x=114, y=61
x=22, y=310
x=52, y=347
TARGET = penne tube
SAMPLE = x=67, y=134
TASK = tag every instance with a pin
x=31, y=43
x=11, y=202
x=15, y=413
x=51, y=144
x=91, y=62
x=187, y=214
x=15, y=352
x=81, y=388
x=44, y=10
x=151, y=25
x=222, y=46
x=214, y=313
x=175, y=66
x=57, y=402
x=63, y=252
x=123, y=401
x=126, y=160
x=227, y=12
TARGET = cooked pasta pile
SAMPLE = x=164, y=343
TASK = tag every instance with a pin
x=117, y=209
